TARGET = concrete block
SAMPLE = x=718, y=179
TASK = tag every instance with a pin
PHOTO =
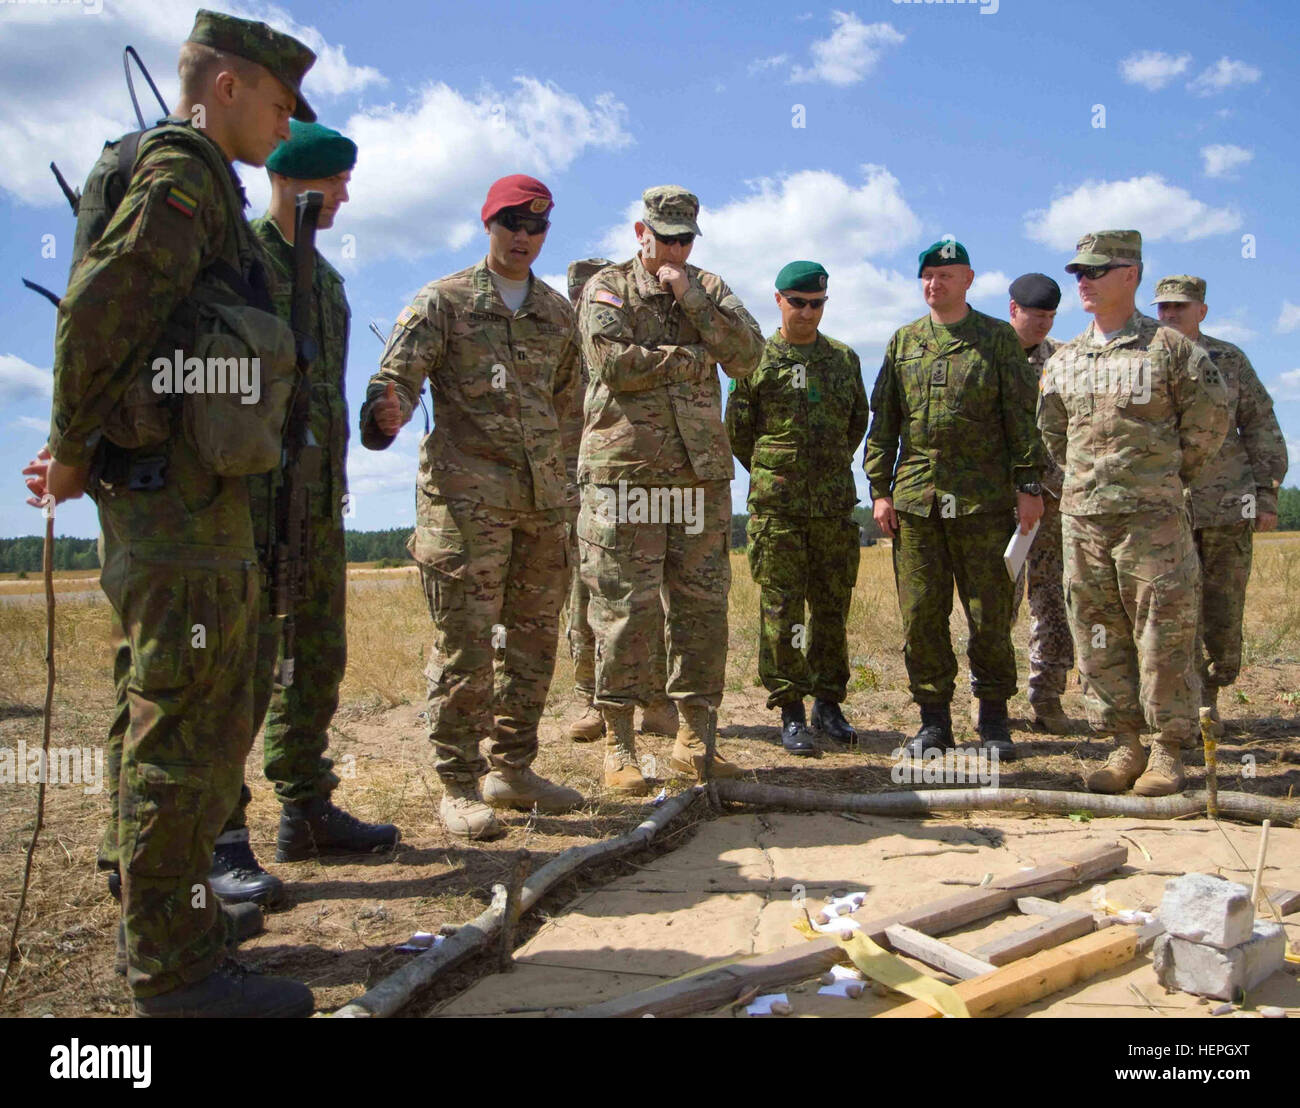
x=1208, y=971
x=1207, y=910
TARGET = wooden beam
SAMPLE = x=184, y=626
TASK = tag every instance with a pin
x=1053, y=931
x=936, y=953
x=1285, y=901
x=1035, y=977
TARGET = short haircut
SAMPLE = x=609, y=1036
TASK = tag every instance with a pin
x=199, y=64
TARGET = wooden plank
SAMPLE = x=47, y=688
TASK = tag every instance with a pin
x=1046, y=933
x=1035, y=977
x=936, y=953
x=1285, y=901
x=1037, y=906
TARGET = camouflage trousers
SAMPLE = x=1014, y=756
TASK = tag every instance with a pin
x=796, y=562
x=495, y=581
x=931, y=554
x=1051, y=650
x=1225, y=557
x=638, y=573
x=1132, y=588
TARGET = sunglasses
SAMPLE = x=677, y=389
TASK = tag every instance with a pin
x=1095, y=272
x=513, y=221
x=804, y=302
x=673, y=240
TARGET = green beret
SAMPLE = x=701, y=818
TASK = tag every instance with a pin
x=311, y=152
x=943, y=252
x=802, y=277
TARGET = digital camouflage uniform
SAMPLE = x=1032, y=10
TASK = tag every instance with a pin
x=493, y=504
x=1051, y=650
x=179, y=563
x=952, y=435
x=653, y=419
x=794, y=425
x=1132, y=421
x=1235, y=486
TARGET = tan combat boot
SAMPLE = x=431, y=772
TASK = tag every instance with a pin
x=697, y=722
x=588, y=727
x=465, y=814
x=659, y=717
x=1049, y=716
x=1122, y=768
x=622, y=772
x=524, y=789
x=1164, y=774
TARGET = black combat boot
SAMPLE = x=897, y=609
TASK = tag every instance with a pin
x=317, y=827
x=242, y=921
x=995, y=730
x=237, y=877
x=231, y=991
x=829, y=720
x=935, y=733
x=794, y=730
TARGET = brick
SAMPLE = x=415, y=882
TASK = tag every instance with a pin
x=1208, y=971
x=1207, y=910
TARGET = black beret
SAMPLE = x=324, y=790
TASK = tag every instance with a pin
x=1036, y=290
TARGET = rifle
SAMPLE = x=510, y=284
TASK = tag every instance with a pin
x=301, y=458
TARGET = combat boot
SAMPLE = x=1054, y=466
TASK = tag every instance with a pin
x=935, y=733
x=242, y=921
x=699, y=722
x=316, y=826
x=465, y=814
x=588, y=727
x=1164, y=772
x=236, y=875
x=1122, y=768
x=794, y=730
x=1049, y=716
x=231, y=991
x=526, y=790
x=995, y=730
x=659, y=717
x=622, y=771
x=829, y=720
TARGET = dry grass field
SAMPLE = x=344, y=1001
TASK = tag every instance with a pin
x=344, y=916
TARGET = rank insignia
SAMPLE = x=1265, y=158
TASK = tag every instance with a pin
x=939, y=372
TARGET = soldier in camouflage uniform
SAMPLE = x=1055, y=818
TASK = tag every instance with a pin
x=795, y=425
x=1132, y=412
x=1232, y=497
x=951, y=450
x=1034, y=300
x=653, y=331
x=180, y=566
x=493, y=503
x=659, y=717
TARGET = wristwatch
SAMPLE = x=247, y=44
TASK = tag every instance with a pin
x=1031, y=488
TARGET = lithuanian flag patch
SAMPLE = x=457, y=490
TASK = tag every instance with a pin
x=182, y=201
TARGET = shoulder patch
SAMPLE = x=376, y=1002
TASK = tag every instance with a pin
x=182, y=201
x=408, y=317
x=604, y=296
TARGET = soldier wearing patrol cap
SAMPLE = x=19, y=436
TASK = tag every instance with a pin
x=1233, y=496
x=494, y=502
x=951, y=451
x=795, y=425
x=1132, y=412
x=655, y=471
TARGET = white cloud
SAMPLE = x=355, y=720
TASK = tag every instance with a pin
x=1286, y=386
x=451, y=147
x=1289, y=317
x=758, y=65
x=1151, y=205
x=31, y=423
x=1153, y=69
x=1222, y=75
x=1230, y=329
x=1221, y=159
x=991, y=286
x=61, y=89
x=850, y=53
x=21, y=381
x=378, y=472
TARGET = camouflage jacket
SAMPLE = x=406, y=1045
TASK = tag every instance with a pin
x=1053, y=475
x=796, y=424
x=1242, y=479
x=1131, y=421
x=654, y=405
x=504, y=387
x=953, y=420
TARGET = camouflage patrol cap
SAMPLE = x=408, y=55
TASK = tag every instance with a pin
x=582, y=271
x=1180, y=289
x=1107, y=248
x=671, y=210
x=283, y=56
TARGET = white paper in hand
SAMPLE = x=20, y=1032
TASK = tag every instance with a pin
x=1018, y=550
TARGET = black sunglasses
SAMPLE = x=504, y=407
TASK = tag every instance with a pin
x=673, y=240
x=804, y=302
x=513, y=221
x=1095, y=272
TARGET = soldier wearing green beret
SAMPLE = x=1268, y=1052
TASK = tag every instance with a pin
x=795, y=425
x=179, y=556
x=1235, y=494
x=951, y=451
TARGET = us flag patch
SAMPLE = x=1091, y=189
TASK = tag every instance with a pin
x=603, y=296
x=183, y=202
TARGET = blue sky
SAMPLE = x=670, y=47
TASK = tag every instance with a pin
x=920, y=120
